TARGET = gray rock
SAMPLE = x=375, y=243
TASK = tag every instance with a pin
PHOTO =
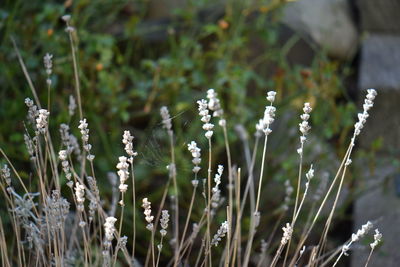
x=326, y=22
x=381, y=205
x=379, y=16
x=380, y=62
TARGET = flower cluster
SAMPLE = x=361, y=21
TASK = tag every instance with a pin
x=304, y=126
x=361, y=232
x=377, y=239
x=164, y=222
x=41, y=120
x=127, y=139
x=147, y=212
x=355, y=237
x=214, y=103
x=220, y=234
x=63, y=156
x=362, y=117
x=195, y=231
x=6, y=176
x=287, y=234
x=69, y=141
x=32, y=110
x=56, y=209
x=31, y=144
x=71, y=105
x=122, y=242
x=67, y=19
x=166, y=119
x=123, y=174
x=80, y=196
x=271, y=96
x=269, y=115
x=309, y=176
x=215, y=106
x=109, y=230
x=216, y=192
x=83, y=126
x=93, y=197
x=192, y=147
x=288, y=193
x=205, y=118
x=48, y=64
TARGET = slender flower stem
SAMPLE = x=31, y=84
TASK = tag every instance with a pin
x=76, y=75
x=159, y=251
x=252, y=223
x=328, y=222
x=134, y=212
x=176, y=223
x=152, y=247
x=120, y=226
x=369, y=257
x=208, y=235
x=188, y=216
x=301, y=243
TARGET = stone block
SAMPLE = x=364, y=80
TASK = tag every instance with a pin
x=380, y=16
x=380, y=62
x=381, y=205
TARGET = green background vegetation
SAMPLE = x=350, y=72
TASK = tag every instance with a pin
x=131, y=64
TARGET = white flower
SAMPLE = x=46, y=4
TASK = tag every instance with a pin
x=66, y=18
x=287, y=234
x=5, y=174
x=345, y=248
x=216, y=192
x=205, y=118
x=109, y=230
x=63, y=156
x=48, y=63
x=41, y=121
x=147, y=212
x=307, y=108
x=164, y=222
x=70, y=29
x=84, y=130
x=71, y=105
x=166, y=118
x=264, y=124
x=310, y=173
x=304, y=126
x=123, y=173
x=361, y=232
x=220, y=233
x=214, y=103
x=362, y=117
x=127, y=139
x=377, y=239
x=196, y=155
x=80, y=196
x=271, y=96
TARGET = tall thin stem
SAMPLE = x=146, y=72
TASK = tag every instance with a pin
x=176, y=224
x=134, y=212
x=301, y=243
x=208, y=235
x=369, y=257
x=255, y=213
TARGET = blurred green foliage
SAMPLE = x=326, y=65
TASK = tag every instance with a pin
x=130, y=64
